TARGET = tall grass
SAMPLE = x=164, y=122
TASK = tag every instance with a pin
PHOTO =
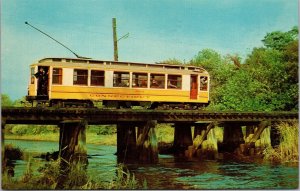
x=287, y=151
x=50, y=176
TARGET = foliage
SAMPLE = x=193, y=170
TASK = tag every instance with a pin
x=21, y=102
x=102, y=129
x=266, y=81
x=124, y=179
x=220, y=69
x=49, y=177
x=6, y=101
x=172, y=61
x=32, y=129
x=164, y=133
x=287, y=151
x=77, y=176
x=278, y=40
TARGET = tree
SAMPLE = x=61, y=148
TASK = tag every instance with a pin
x=6, y=101
x=291, y=59
x=268, y=80
x=172, y=61
x=21, y=102
x=279, y=40
x=219, y=68
x=208, y=59
x=243, y=93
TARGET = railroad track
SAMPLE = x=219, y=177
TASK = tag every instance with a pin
x=27, y=115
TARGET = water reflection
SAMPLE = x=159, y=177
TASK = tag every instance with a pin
x=232, y=175
x=176, y=173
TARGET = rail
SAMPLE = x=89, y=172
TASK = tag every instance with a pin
x=18, y=115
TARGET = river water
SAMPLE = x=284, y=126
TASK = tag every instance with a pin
x=175, y=173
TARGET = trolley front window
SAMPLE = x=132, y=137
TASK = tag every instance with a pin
x=32, y=75
x=203, y=83
x=80, y=77
x=97, y=78
x=121, y=79
x=57, y=76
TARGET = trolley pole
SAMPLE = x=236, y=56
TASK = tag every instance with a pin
x=114, y=26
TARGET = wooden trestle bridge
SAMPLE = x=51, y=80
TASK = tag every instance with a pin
x=135, y=128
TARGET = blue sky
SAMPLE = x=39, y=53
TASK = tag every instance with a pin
x=159, y=30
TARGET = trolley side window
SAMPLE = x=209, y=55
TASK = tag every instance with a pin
x=121, y=79
x=57, y=76
x=203, y=83
x=97, y=78
x=174, y=82
x=157, y=81
x=32, y=75
x=139, y=80
x=80, y=77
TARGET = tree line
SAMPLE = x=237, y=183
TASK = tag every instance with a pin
x=267, y=80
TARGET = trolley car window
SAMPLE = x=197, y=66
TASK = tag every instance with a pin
x=174, y=81
x=97, y=78
x=139, y=80
x=80, y=77
x=121, y=79
x=203, y=83
x=57, y=76
x=32, y=75
x=157, y=81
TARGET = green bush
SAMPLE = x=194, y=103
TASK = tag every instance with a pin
x=33, y=129
x=102, y=129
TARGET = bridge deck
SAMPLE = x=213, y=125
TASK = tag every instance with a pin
x=111, y=116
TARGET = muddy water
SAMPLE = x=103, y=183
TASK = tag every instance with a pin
x=176, y=173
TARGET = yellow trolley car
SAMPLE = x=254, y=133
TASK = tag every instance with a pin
x=80, y=82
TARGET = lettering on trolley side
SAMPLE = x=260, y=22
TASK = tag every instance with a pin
x=119, y=96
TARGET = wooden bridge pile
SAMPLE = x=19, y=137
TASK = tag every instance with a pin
x=136, y=138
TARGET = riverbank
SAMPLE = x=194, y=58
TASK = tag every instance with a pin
x=94, y=135
x=92, y=138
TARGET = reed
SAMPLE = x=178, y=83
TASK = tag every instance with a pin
x=287, y=151
x=49, y=176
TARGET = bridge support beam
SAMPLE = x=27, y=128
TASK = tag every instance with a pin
x=72, y=149
x=205, y=141
x=3, y=159
x=232, y=137
x=182, y=138
x=200, y=129
x=147, y=144
x=258, y=142
x=126, y=142
x=250, y=130
x=3, y=123
x=72, y=141
x=198, y=138
x=275, y=136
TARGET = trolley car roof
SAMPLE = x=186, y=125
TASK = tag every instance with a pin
x=119, y=63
